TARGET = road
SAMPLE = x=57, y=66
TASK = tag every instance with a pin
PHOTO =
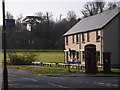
x=25, y=79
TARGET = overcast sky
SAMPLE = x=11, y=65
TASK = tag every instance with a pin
x=56, y=7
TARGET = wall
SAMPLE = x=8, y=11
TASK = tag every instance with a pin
x=110, y=40
x=80, y=46
x=92, y=41
x=73, y=46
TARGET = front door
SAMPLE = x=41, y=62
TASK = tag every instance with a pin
x=90, y=58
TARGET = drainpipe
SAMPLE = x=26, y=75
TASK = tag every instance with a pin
x=80, y=47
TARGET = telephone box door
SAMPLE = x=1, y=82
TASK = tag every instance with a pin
x=90, y=59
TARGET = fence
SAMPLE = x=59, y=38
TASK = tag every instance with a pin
x=64, y=65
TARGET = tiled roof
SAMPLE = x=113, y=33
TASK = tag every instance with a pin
x=97, y=21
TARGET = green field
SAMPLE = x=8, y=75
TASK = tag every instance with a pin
x=50, y=56
x=45, y=56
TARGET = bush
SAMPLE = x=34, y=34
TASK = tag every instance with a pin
x=21, y=59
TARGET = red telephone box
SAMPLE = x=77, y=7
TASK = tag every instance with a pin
x=90, y=59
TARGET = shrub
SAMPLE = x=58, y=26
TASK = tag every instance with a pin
x=21, y=59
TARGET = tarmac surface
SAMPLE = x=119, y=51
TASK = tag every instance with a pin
x=19, y=79
x=102, y=74
x=86, y=75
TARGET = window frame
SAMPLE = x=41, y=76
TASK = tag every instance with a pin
x=88, y=36
x=73, y=38
x=67, y=55
x=83, y=37
x=83, y=56
x=66, y=40
x=77, y=38
x=77, y=55
x=98, y=57
x=97, y=35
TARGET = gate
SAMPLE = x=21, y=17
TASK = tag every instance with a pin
x=90, y=59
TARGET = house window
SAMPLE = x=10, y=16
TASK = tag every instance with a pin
x=73, y=40
x=70, y=54
x=88, y=36
x=97, y=36
x=73, y=52
x=98, y=55
x=83, y=54
x=66, y=40
x=83, y=37
x=67, y=55
x=77, y=38
x=77, y=55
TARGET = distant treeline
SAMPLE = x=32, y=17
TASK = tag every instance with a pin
x=46, y=33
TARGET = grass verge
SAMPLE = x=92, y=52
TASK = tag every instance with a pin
x=42, y=70
x=112, y=69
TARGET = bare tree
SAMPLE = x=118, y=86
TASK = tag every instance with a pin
x=48, y=17
x=9, y=15
x=19, y=21
x=112, y=5
x=60, y=17
x=71, y=16
x=92, y=8
x=100, y=4
x=40, y=14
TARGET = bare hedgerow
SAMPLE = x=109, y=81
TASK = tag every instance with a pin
x=25, y=58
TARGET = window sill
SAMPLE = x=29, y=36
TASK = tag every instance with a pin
x=97, y=40
x=83, y=61
x=83, y=42
x=77, y=43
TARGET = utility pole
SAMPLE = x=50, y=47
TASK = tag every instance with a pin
x=5, y=72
